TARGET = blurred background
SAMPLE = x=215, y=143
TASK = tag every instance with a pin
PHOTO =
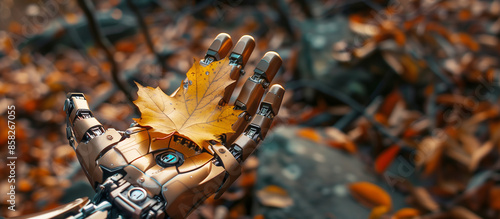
x=391, y=106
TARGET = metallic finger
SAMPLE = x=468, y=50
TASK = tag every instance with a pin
x=253, y=89
x=242, y=51
x=237, y=59
x=255, y=86
x=258, y=127
x=82, y=126
x=218, y=49
x=85, y=134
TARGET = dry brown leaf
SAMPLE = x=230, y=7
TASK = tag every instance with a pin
x=339, y=139
x=411, y=69
x=365, y=50
x=479, y=154
x=370, y=195
x=457, y=152
x=406, y=213
x=427, y=149
x=424, y=199
x=470, y=142
x=194, y=111
x=495, y=198
x=393, y=62
x=385, y=158
x=433, y=161
x=460, y=212
x=357, y=25
x=274, y=196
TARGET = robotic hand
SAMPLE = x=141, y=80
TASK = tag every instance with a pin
x=138, y=174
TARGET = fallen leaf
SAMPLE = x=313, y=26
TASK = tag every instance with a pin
x=479, y=154
x=194, y=111
x=259, y=216
x=390, y=102
x=385, y=159
x=460, y=212
x=411, y=69
x=357, y=25
x=370, y=194
x=470, y=142
x=427, y=149
x=465, y=39
x=274, y=196
x=433, y=162
x=425, y=200
x=339, y=139
x=378, y=212
x=406, y=213
x=310, y=134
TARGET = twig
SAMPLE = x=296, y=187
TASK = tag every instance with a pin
x=105, y=45
x=147, y=36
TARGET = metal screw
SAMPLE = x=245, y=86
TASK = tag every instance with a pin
x=109, y=137
x=222, y=151
x=141, y=180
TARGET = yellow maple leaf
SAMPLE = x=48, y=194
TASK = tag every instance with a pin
x=194, y=111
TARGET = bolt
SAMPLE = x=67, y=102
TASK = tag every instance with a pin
x=141, y=180
x=222, y=151
x=109, y=137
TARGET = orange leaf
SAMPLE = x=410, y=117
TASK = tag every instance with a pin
x=390, y=103
x=16, y=27
x=385, y=158
x=378, y=212
x=125, y=46
x=24, y=185
x=410, y=132
x=433, y=162
x=370, y=195
x=399, y=37
x=347, y=146
x=380, y=118
x=464, y=39
x=464, y=15
x=194, y=111
x=406, y=213
x=411, y=69
x=437, y=28
x=309, y=134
